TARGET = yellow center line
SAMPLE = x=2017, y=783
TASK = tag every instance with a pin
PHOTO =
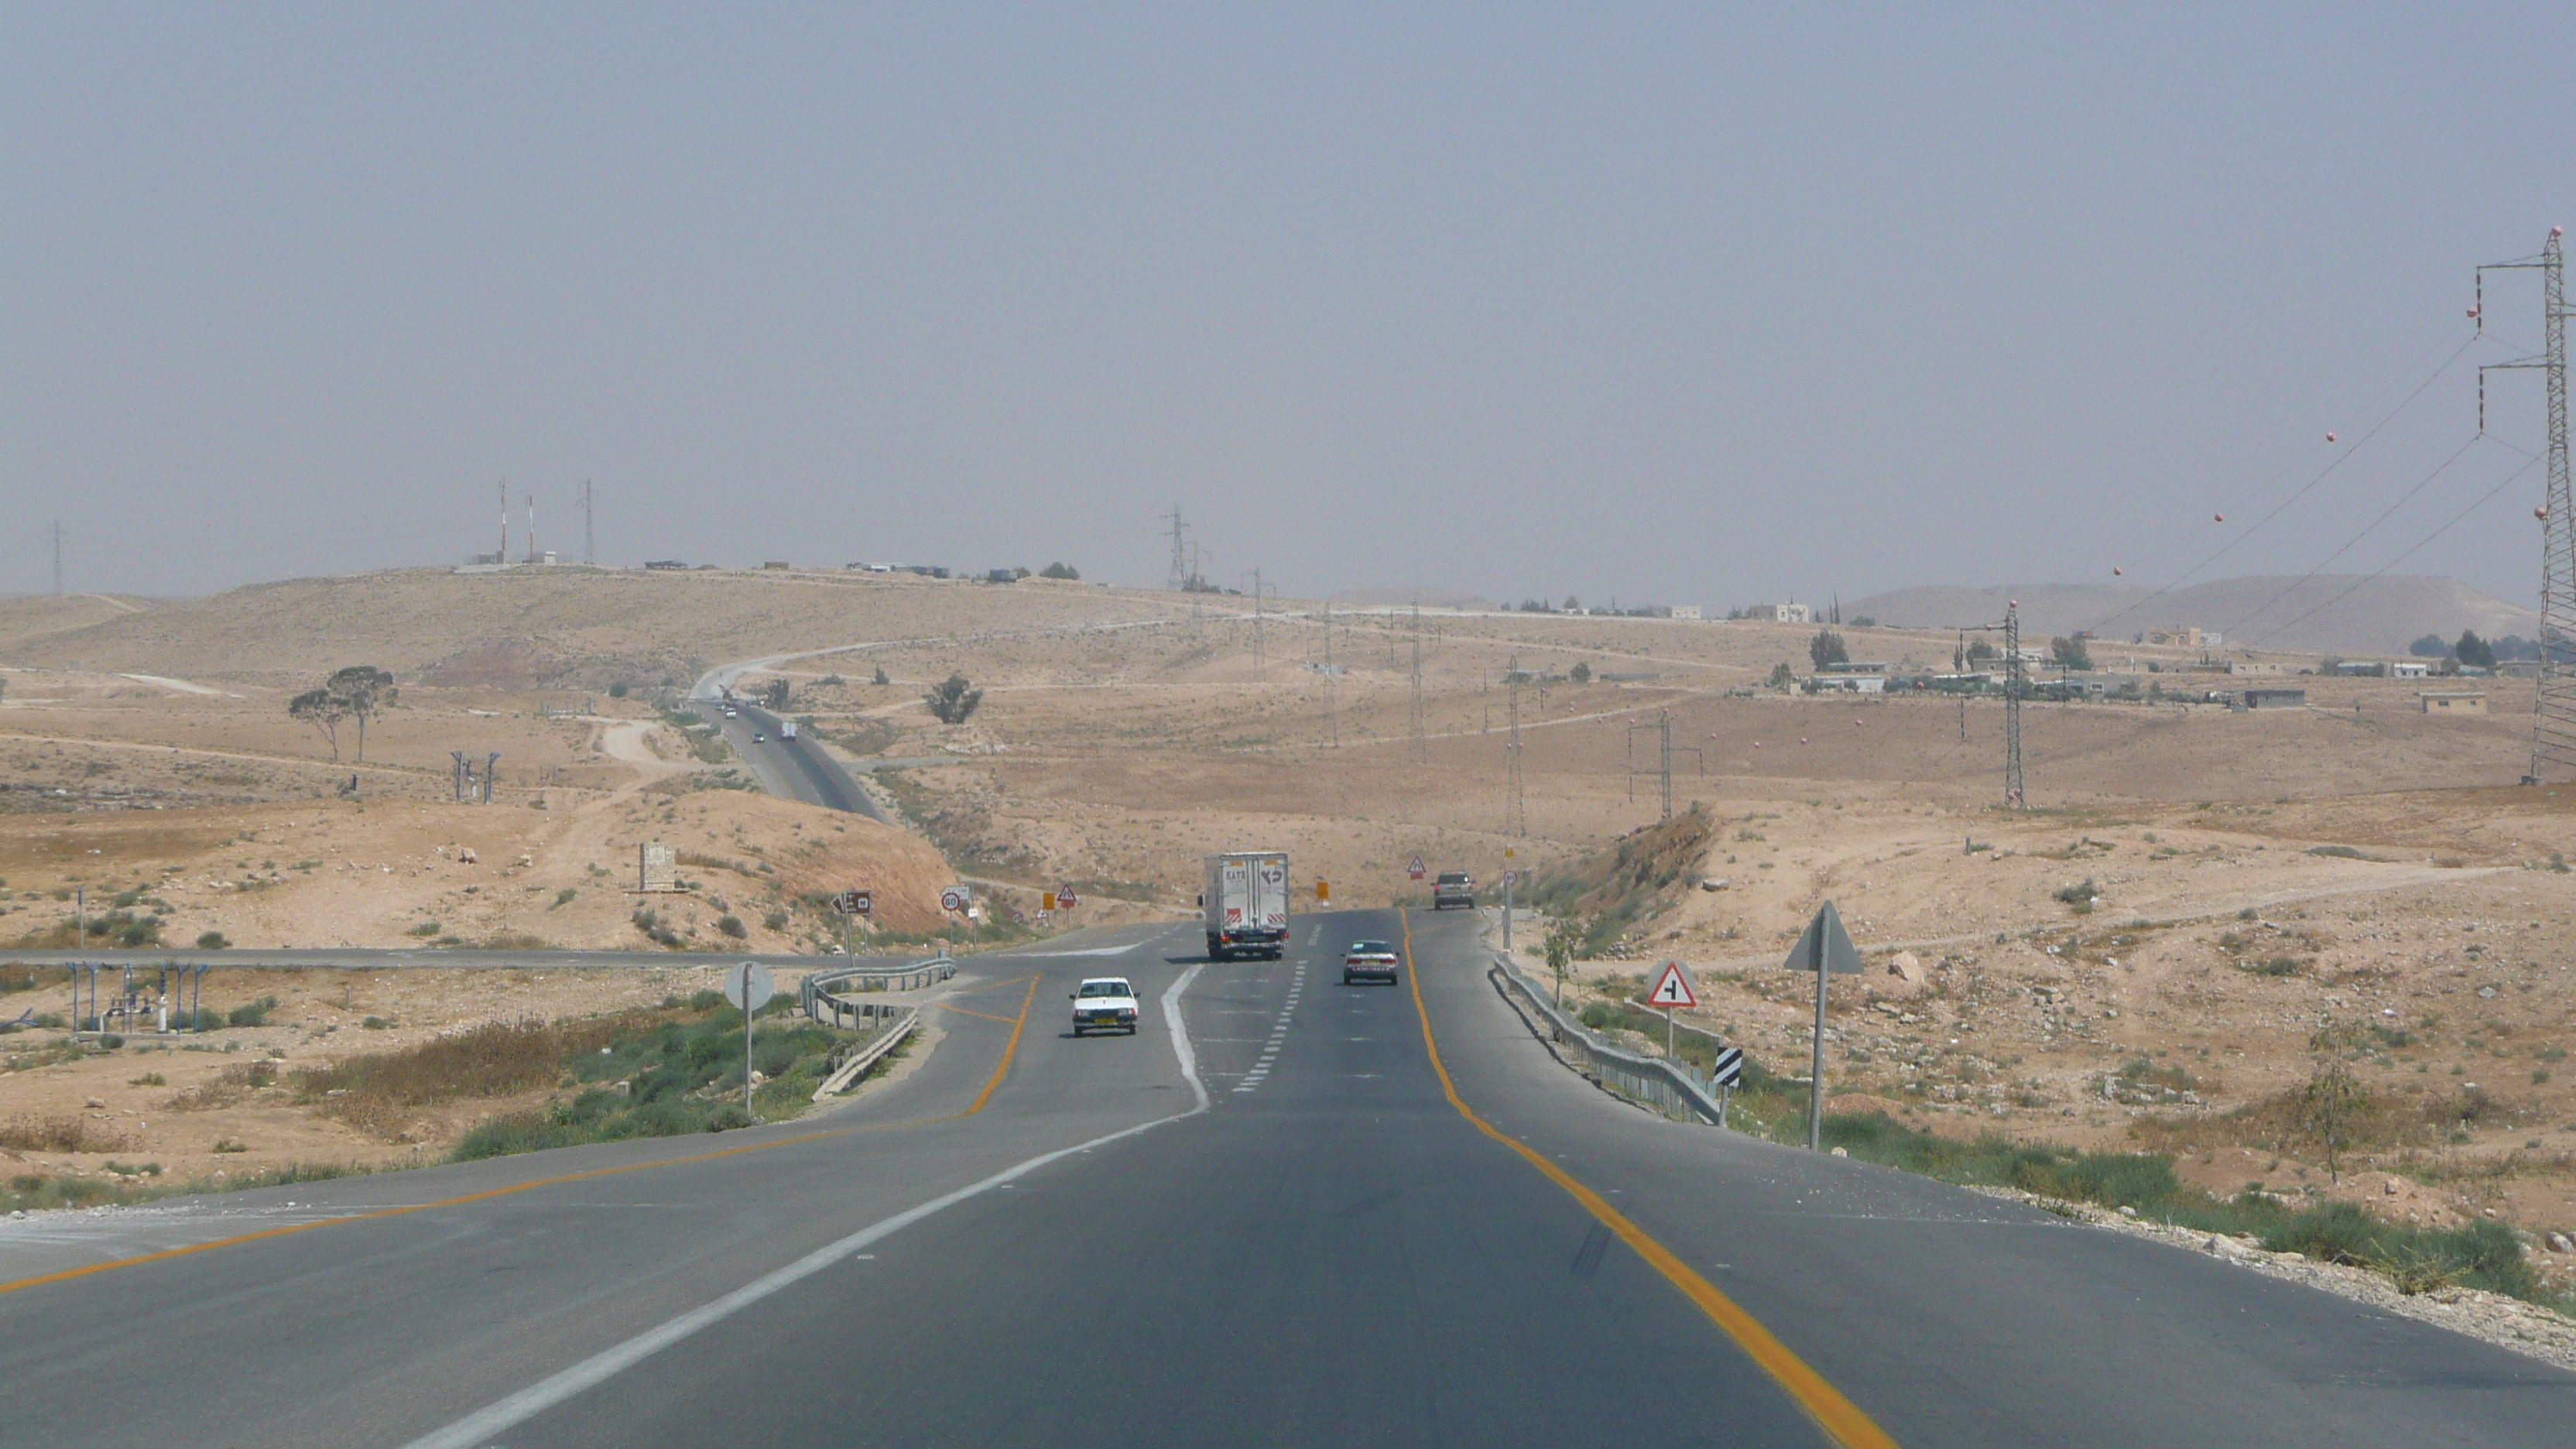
x=962, y=1011
x=1836, y=1415
x=1002, y=1068
x=287, y=1230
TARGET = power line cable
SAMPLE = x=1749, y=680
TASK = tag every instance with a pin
x=2407, y=497
x=2303, y=490
x=2417, y=547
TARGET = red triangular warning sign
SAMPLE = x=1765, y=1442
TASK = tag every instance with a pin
x=1673, y=988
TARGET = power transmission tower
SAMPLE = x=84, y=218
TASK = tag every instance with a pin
x=2013, y=798
x=1332, y=701
x=1663, y=771
x=504, y=555
x=58, y=556
x=2553, y=722
x=1515, y=816
x=1180, y=573
x=1417, y=750
x=1258, y=658
x=589, y=540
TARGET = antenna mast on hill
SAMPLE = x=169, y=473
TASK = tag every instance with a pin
x=1181, y=570
x=58, y=557
x=2013, y=688
x=2553, y=723
x=1417, y=749
x=503, y=556
x=1515, y=816
x=589, y=551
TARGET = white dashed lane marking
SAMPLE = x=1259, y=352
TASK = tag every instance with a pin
x=1278, y=1033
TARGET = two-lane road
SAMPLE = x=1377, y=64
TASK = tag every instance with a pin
x=1333, y=1251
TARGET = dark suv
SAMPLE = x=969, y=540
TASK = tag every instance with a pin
x=1453, y=888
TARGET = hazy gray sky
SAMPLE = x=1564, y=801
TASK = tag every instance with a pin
x=1685, y=304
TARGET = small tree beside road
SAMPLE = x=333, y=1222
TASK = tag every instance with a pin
x=2070, y=653
x=953, y=700
x=1827, y=648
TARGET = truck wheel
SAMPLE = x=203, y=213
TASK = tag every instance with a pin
x=1077, y=1028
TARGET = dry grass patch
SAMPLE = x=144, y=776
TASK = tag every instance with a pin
x=378, y=1092
x=61, y=1132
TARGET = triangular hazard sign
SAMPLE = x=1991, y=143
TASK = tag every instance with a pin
x=1673, y=988
x=1415, y=869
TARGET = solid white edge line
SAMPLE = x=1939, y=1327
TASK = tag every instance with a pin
x=476, y=1429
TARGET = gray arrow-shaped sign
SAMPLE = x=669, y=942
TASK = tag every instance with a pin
x=1825, y=946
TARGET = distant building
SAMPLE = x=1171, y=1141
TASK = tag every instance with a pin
x=2463, y=702
x=2410, y=669
x=2180, y=636
x=1685, y=611
x=2275, y=699
x=1783, y=613
x=2361, y=669
x=776, y=563
x=1853, y=666
x=1847, y=684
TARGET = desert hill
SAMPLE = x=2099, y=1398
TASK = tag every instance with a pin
x=2371, y=616
x=531, y=628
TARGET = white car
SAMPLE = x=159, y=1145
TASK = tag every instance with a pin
x=1107, y=1002
x=1369, y=960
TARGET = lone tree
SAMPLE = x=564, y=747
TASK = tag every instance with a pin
x=2070, y=653
x=1581, y=673
x=1782, y=676
x=1827, y=648
x=2473, y=651
x=359, y=692
x=776, y=693
x=1060, y=571
x=1980, y=651
x=953, y=700
x=881, y=678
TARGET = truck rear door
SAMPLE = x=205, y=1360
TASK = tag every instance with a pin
x=1234, y=891
x=1270, y=893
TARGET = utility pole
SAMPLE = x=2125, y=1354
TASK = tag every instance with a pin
x=58, y=557
x=2553, y=722
x=1417, y=749
x=589, y=541
x=503, y=556
x=1180, y=571
x=1515, y=815
x=532, y=528
x=2013, y=797
x=1259, y=659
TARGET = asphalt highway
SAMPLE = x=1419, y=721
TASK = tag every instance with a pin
x=798, y=769
x=1271, y=1217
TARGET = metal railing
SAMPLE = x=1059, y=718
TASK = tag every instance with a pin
x=1660, y=1084
x=909, y=976
x=852, y=1062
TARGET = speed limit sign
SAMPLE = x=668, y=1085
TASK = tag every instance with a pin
x=953, y=898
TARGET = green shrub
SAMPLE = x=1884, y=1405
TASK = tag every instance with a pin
x=211, y=941
x=253, y=1014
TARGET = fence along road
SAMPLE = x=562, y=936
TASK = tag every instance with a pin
x=1343, y=1256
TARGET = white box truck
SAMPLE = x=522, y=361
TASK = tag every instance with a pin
x=1246, y=904
x=787, y=729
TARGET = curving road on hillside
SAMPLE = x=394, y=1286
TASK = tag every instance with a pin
x=1271, y=1217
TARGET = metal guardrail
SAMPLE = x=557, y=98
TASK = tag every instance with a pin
x=910, y=977
x=845, y=1070
x=1650, y=1080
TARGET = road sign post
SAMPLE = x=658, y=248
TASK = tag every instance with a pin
x=954, y=898
x=1064, y=897
x=1722, y=1074
x=1414, y=869
x=1824, y=949
x=852, y=905
x=1672, y=991
x=1510, y=878
x=748, y=986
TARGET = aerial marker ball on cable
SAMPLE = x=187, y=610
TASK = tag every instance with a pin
x=2329, y=437
x=2218, y=517
x=2115, y=571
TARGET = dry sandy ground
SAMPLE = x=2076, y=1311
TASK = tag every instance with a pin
x=1113, y=759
